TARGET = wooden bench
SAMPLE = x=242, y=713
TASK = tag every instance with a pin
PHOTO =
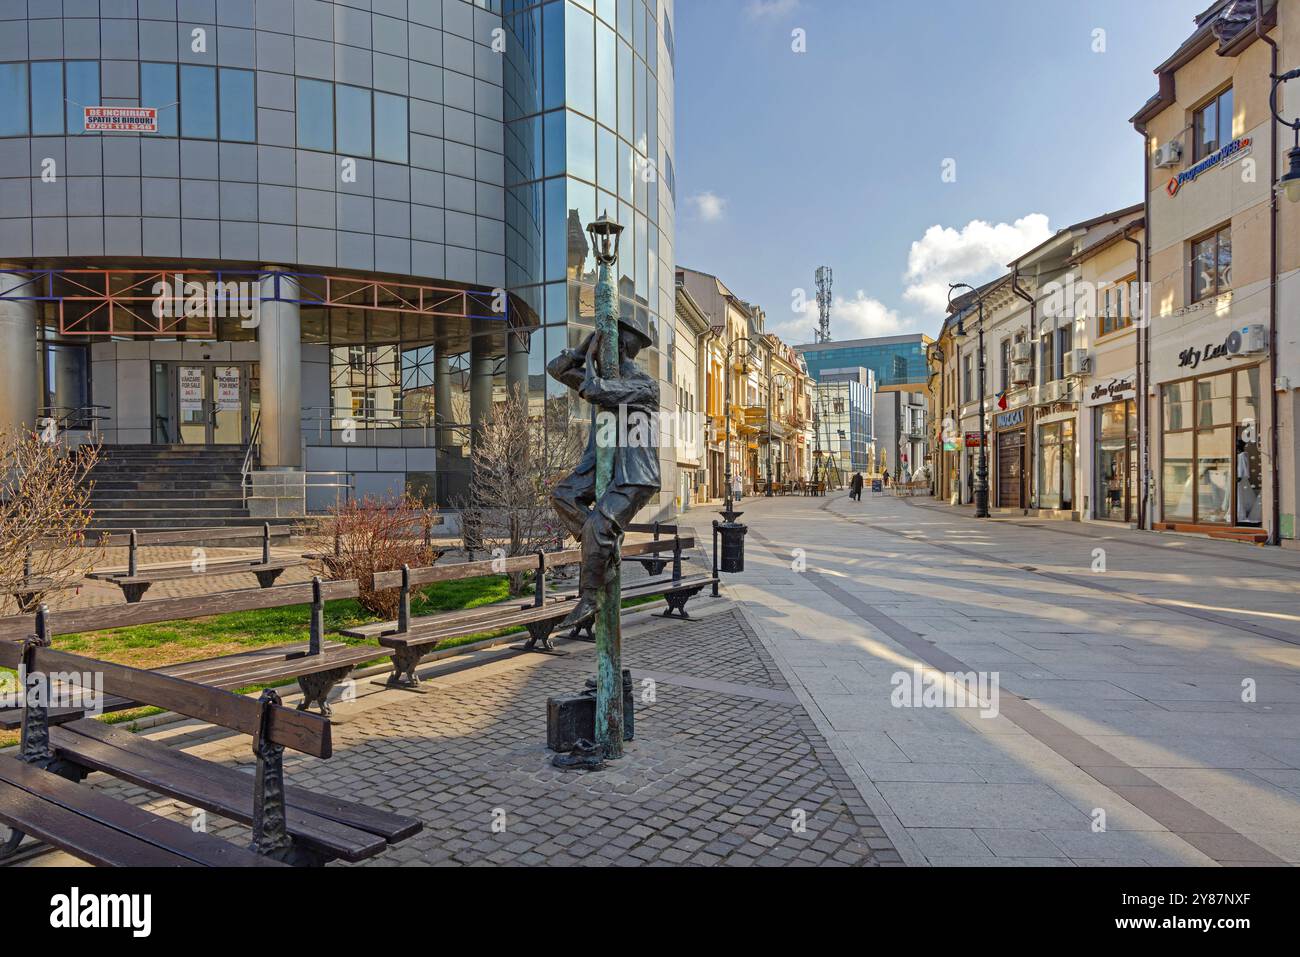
x=135, y=581
x=677, y=589
x=41, y=794
x=317, y=665
x=410, y=639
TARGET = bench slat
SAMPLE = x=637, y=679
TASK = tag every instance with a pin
x=520, y=563
x=298, y=730
x=151, y=765
x=104, y=617
x=205, y=671
x=391, y=826
x=480, y=613
x=178, y=572
x=84, y=839
x=439, y=631
x=159, y=832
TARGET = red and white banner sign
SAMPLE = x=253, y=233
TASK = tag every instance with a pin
x=121, y=119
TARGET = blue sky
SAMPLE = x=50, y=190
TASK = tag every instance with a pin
x=787, y=160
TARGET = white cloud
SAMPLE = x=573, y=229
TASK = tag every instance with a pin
x=708, y=206
x=858, y=318
x=975, y=253
x=769, y=9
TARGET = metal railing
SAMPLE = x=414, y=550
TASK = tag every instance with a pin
x=246, y=470
x=84, y=418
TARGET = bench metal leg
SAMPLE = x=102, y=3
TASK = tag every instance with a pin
x=405, y=661
x=316, y=688
x=656, y=567
x=677, y=603
x=270, y=825
x=540, y=632
x=267, y=578
x=11, y=843
x=135, y=591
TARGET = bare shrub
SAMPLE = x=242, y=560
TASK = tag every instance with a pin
x=519, y=457
x=357, y=539
x=44, y=513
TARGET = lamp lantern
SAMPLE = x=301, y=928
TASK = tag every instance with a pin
x=605, y=234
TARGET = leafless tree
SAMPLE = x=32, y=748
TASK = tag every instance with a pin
x=356, y=539
x=45, y=511
x=521, y=453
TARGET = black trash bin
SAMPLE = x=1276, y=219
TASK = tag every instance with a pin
x=732, y=557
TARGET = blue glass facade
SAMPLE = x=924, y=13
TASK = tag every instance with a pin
x=896, y=360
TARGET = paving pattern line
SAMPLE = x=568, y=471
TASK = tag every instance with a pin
x=1259, y=631
x=1172, y=546
x=1207, y=834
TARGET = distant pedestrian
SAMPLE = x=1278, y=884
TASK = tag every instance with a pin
x=855, y=492
x=737, y=488
x=885, y=476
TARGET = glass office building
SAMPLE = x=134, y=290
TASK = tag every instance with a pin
x=843, y=427
x=337, y=234
x=895, y=360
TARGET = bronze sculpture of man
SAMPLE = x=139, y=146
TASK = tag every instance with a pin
x=628, y=395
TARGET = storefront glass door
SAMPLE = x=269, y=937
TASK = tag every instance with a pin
x=202, y=403
x=1116, y=461
x=1212, y=470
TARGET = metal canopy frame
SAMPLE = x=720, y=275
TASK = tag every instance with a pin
x=120, y=301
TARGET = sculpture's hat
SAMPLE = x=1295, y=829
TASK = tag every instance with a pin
x=636, y=325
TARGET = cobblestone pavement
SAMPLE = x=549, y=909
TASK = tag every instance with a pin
x=1148, y=697
x=726, y=768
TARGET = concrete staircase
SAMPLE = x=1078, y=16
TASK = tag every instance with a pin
x=157, y=487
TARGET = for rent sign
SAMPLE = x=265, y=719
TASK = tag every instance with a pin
x=121, y=119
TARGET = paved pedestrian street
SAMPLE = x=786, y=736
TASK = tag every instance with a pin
x=1147, y=690
x=726, y=767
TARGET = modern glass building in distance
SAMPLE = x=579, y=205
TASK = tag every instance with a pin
x=895, y=360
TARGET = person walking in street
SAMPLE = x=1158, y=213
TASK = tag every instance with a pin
x=856, y=490
x=885, y=477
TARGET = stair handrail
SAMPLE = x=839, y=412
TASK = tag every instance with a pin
x=246, y=470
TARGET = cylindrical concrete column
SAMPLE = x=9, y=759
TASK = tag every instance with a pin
x=446, y=436
x=517, y=365
x=480, y=374
x=279, y=342
x=19, y=361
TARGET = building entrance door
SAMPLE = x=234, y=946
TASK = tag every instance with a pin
x=1011, y=469
x=203, y=403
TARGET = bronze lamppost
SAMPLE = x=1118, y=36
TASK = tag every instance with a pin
x=617, y=476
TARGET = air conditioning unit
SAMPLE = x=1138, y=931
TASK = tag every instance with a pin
x=1021, y=374
x=1050, y=392
x=1251, y=340
x=1077, y=363
x=1022, y=351
x=1169, y=154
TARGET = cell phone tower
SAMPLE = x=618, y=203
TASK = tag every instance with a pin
x=824, y=277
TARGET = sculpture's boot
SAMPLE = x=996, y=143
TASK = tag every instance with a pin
x=585, y=756
x=582, y=614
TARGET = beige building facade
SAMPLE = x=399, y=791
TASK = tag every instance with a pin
x=1221, y=350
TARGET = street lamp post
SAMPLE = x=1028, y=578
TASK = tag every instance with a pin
x=779, y=375
x=982, y=472
x=1289, y=183
x=730, y=513
x=608, y=631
